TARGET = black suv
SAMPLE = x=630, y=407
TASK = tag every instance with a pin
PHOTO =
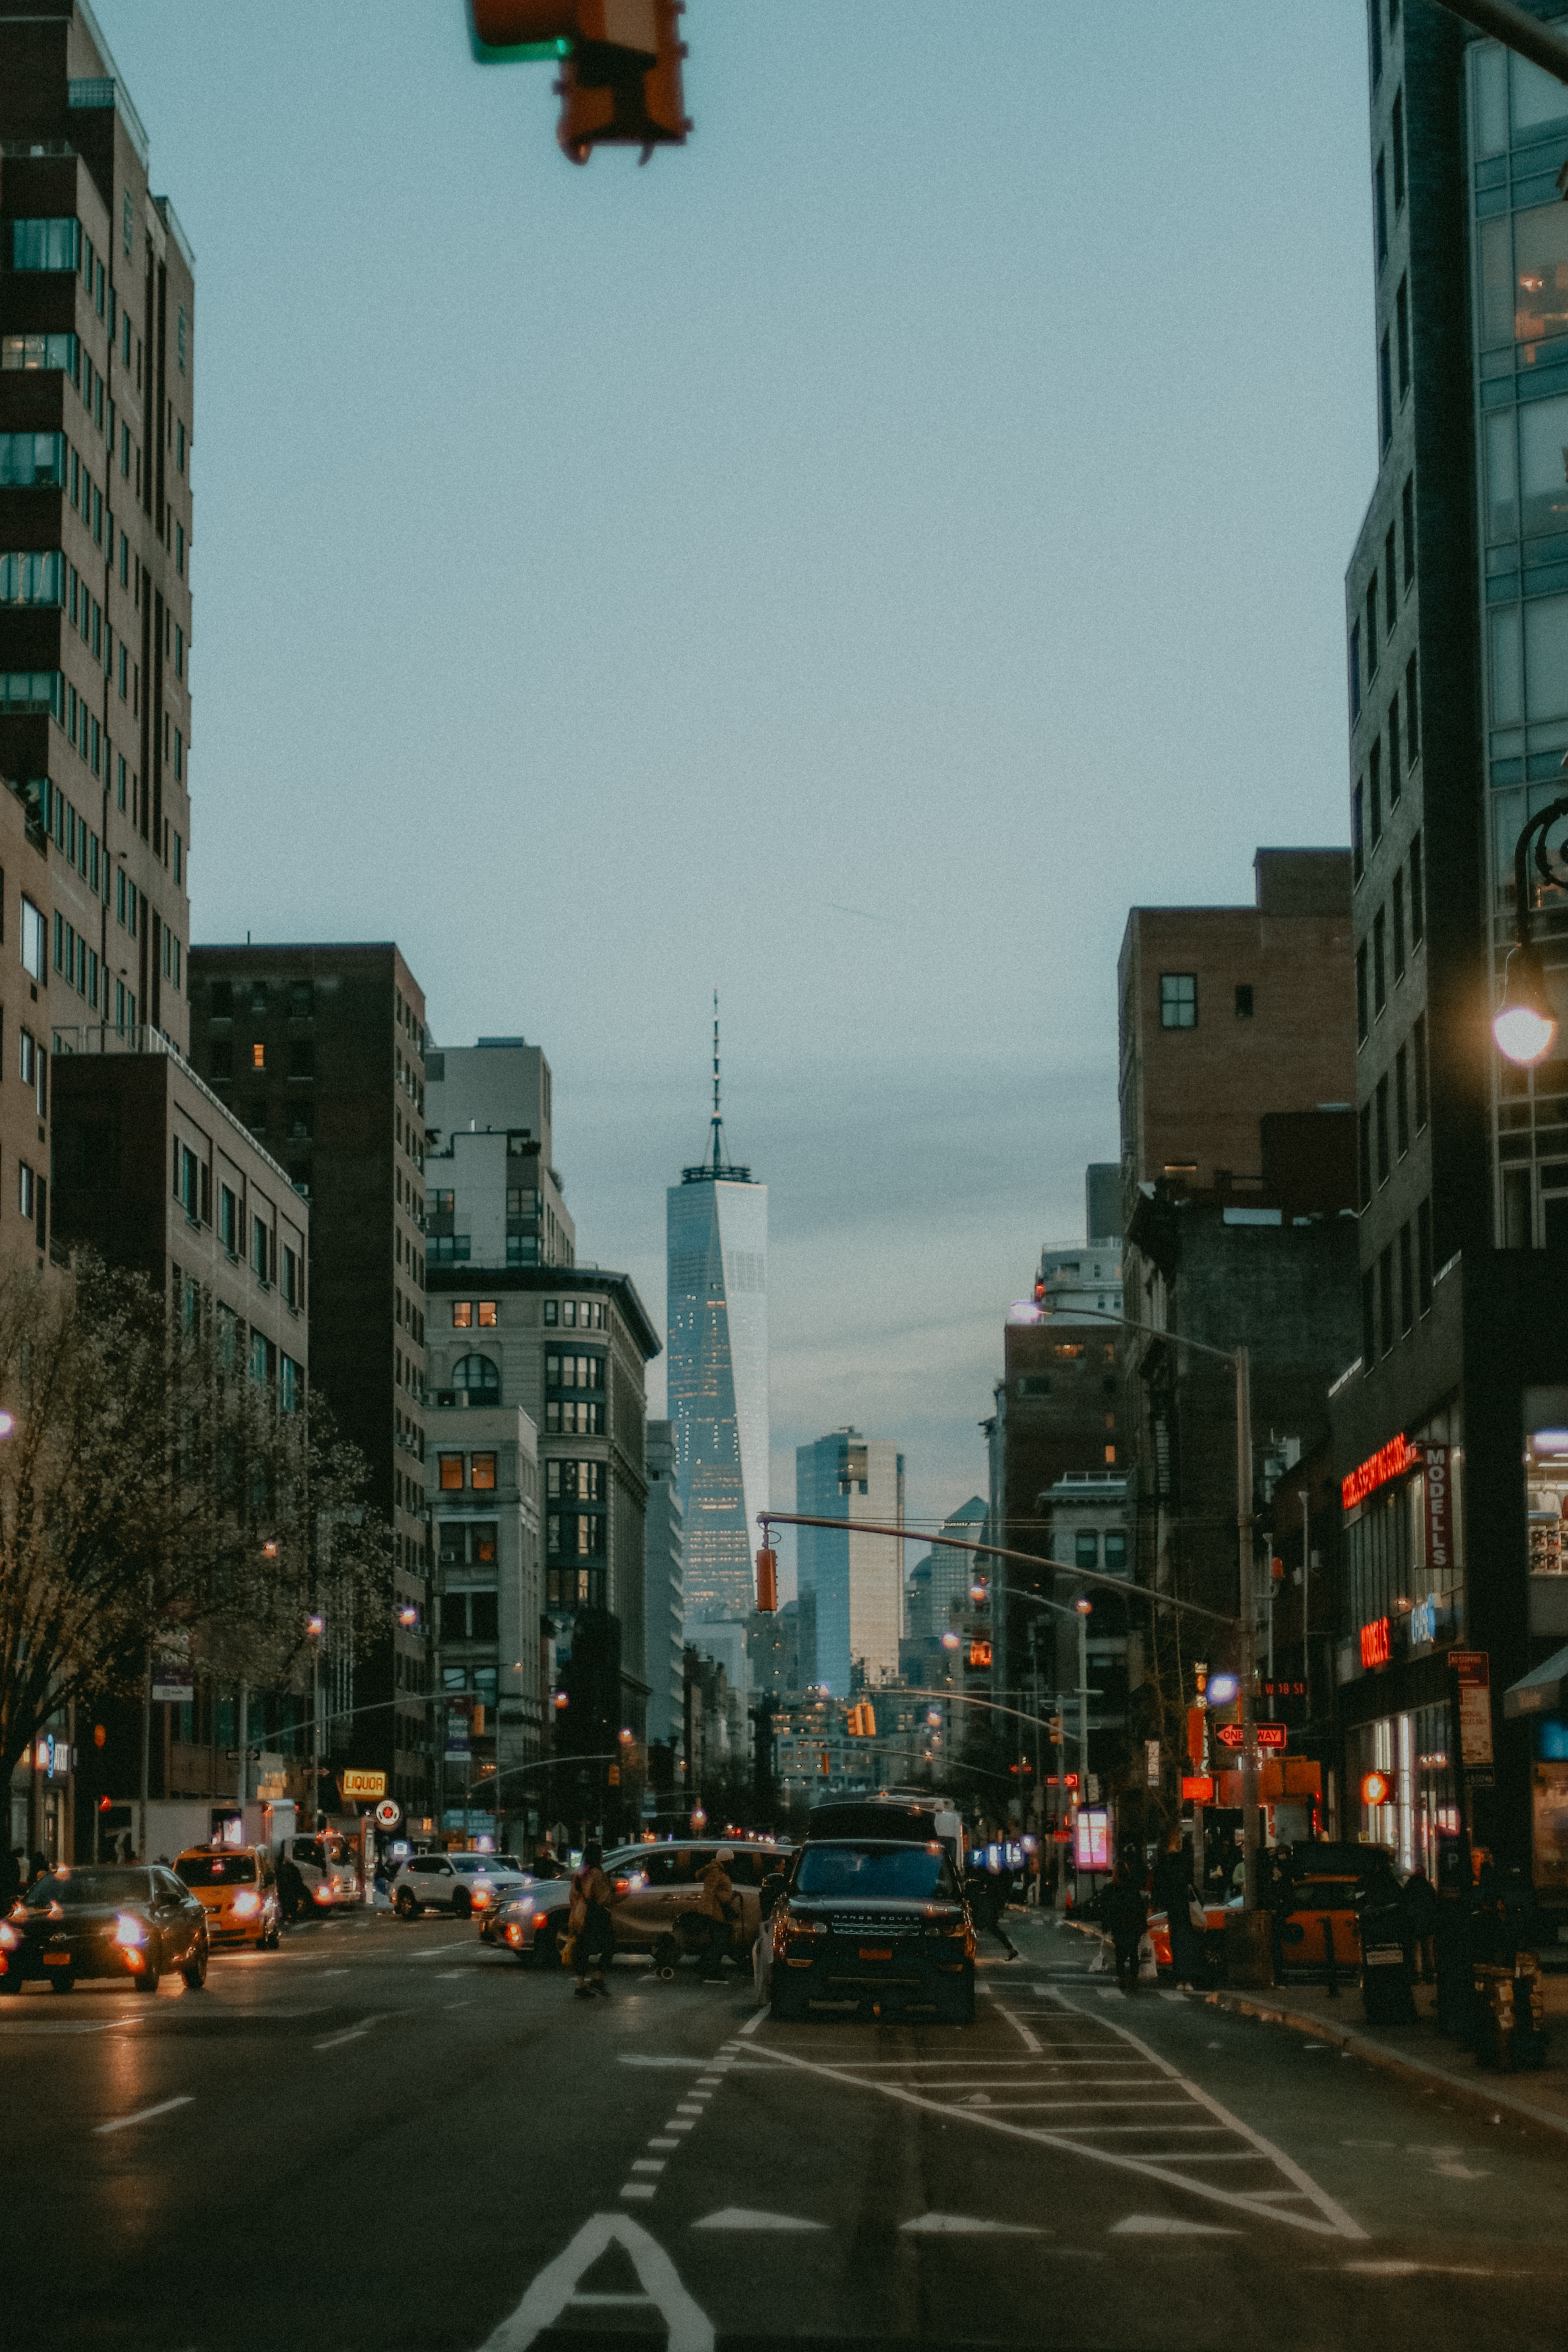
x=874, y=1924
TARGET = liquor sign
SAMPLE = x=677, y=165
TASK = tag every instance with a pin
x=1390, y=1461
x=1272, y=1735
x=1472, y=1670
x=1439, y=1510
x=1376, y=1643
x=362, y=1786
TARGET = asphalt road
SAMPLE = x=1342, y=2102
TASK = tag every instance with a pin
x=388, y=2136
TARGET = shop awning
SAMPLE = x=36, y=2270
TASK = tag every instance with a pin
x=1540, y=1690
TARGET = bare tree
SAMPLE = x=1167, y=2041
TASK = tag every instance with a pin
x=149, y=1481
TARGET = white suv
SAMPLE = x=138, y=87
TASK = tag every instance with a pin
x=458, y=1883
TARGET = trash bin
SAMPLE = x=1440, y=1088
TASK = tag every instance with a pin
x=1511, y=2013
x=1249, y=1947
x=1386, y=1997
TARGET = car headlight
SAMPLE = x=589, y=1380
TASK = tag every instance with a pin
x=794, y=1927
x=514, y=1934
x=128, y=1930
x=482, y=1897
x=246, y=1904
x=323, y=1894
x=9, y=1939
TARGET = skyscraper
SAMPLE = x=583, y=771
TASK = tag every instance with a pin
x=851, y=1585
x=717, y=1230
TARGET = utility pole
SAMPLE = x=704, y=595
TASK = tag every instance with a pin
x=1248, y=1630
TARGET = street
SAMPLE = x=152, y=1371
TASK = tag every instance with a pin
x=389, y=2135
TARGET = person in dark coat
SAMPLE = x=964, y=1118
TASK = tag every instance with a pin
x=1125, y=1912
x=10, y=1876
x=38, y=1868
x=1171, y=1891
x=1418, y=1906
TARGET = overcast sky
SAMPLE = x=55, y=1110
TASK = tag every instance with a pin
x=845, y=563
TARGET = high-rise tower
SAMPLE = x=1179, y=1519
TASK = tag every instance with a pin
x=717, y=1230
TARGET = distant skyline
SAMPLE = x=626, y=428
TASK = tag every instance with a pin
x=845, y=563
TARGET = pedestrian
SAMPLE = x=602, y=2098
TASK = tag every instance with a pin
x=10, y=1876
x=592, y=1929
x=721, y=1906
x=290, y=1887
x=38, y=1868
x=1126, y=1914
x=773, y=1887
x=1419, y=1904
x=1171, y=1891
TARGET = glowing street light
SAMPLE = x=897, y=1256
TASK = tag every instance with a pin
x=1524, y=1026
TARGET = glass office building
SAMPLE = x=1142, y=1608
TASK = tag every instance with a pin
x=717, y=1237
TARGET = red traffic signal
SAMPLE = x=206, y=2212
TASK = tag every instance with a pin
x=620, y=80
x=767, y=1579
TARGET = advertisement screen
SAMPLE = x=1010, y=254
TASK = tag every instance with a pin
x=1091, y=1839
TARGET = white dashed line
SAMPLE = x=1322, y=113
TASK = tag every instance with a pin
x=643, y=2189
x=145, y=2115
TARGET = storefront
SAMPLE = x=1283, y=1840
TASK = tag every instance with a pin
x=1405, y=1611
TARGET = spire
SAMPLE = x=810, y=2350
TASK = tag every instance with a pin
x=716, y=1169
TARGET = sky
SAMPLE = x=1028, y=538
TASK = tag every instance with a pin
x=845, y=563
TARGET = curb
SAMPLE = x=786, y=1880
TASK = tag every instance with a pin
x=1393, y=2062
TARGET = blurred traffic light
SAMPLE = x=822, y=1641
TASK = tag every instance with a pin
x=862, y=1720
x=620, y=66
x=767, y=1581
x=980, y=1654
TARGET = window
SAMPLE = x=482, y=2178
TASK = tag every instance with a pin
x=1244, y=999
x=1384, y=395
x=258, y=1058
x=1407, y=1282
x=1379, y=973
x=35, y=578
x=45, y=244
x=290, y=1381
x=1364, y=1195
x=186, y=1179
x=1394, y=782
x=1355, y=673
x=462, y=1314
x=180, y=539
x=483, y=1471
x=1086, y=1547
x=180, y=338
x=1396, y=136
x=1402, y=346
x=450, y=1473
x=1115, y=1549
x=29, y=353
x=1362, y=1022
x=1417, y=908
x=1424, y=1257
x=34, y=948
x=293, y=1271
x=26, y=1189
x=1402, y=1101
x=1390, y=594
x=228, y=1219
x=1358, y=854
x=1374, y=772
x=259, y=1247
x=1368, y=1321
x=1418, y=1058
x=477, y=1375
x=1383, y=1162
x=1372, y=628
x=1399, y=925
x=487, y=1315
x=1375, y=23
x=552, y=1310
x=1407, y=514
x=575, y=1482
x=1380, y=210
x=1178, y=1000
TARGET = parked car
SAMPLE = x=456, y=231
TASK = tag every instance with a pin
x=873, y=1923
x=531, y=1921
x=237, y=1887
x=458, y=1883
x=658, y=1889
x=329, y=1866
x=1216, y=1914
x=122, y=1920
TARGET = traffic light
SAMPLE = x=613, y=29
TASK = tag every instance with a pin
x=767, y=1581
x=980, y=1654
x=862, y=1722
x=620, y=66
x=1056, y=1730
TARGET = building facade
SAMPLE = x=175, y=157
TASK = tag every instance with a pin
x=490, y=1717
x=490, y=1106
x=663, y=1600
x=97, y=376
x=851, y=1585
x=1446, y=1423
x=319, y=1051
x=716, y=1309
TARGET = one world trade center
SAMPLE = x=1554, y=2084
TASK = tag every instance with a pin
x=717, y=1234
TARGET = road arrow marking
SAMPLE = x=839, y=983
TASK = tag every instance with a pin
x=742, y=2217
x=1164, y=2225
x=555, y=2290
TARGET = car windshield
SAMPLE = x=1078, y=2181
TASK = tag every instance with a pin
x=914, y=1874
x=216, y=1869
x=82, y=1890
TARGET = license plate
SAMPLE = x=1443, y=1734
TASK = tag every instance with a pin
x=57, y=1959
x=876, y=1952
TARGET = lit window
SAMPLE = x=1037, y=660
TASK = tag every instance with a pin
x=1178, y=1000
x=482, y=1470
x=258, y=1058
x=451, y=1472
x=462, y=1314
x=488, y=1317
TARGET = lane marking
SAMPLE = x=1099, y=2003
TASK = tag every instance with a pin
x=143, y=2115
x=742, y=2217
x=647, y=2163
x=1166, y=2225
x=354, y=2033
x=674, y=2126
x=643, y=2189
x=1021, y=2029
x=556, y=2288
x=964, y=2225
x=688, y=2107
x=664, y=2143
x=752, y=2022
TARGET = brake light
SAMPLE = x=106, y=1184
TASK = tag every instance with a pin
x=623, y=1885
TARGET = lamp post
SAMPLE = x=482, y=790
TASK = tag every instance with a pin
x=1524, y=1025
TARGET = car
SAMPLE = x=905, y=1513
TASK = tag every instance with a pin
x=236, y=1886
x=657, y=1890
x=1216, y=1914
x=329, y=1868
x=877, y=1924
x=458, y=1883
x=1314, y=1899
x=531, y=1923
x=125, y=1920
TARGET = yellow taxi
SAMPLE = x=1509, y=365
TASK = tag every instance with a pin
x=236, y=1886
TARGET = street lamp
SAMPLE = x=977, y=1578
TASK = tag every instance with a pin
x=1524, y=1025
